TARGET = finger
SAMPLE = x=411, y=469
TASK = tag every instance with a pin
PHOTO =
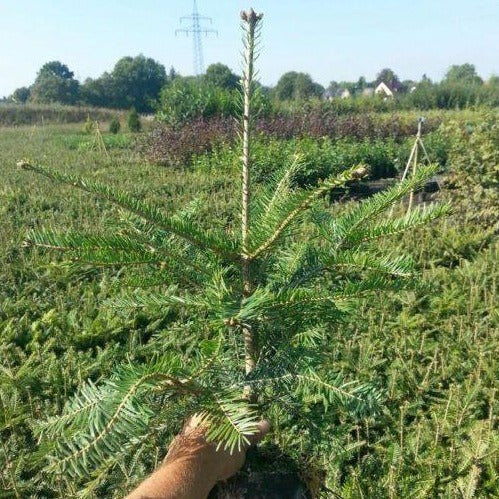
x=263, y=427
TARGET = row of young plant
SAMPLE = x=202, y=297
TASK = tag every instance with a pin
x=430, y=350
x=175, y=145
x=39, y=114
x=319, y=157
x=311, y=120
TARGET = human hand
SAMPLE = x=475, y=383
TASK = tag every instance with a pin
x=193, y=466
x=217, y=464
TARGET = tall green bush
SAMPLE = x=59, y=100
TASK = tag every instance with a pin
x=188, y=99
x=133, y=121
x=114, y=125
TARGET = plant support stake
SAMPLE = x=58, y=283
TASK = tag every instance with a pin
x=413, y=160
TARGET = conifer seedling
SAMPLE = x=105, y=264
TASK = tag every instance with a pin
x=258, y=309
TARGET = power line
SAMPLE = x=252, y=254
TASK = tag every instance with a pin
x=195, y=29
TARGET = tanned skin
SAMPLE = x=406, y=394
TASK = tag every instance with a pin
x=193, y=466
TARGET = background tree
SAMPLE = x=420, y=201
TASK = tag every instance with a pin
x=305, y=87
x=186, y=98
x=491, y=91
x=334, y=89
x=133, y=82
x=407, y=85
x=221, y=76
x=424, y=95
x=462, y=73
x=294, y=85
x=136, y=82
x=55, y=83
x=460, y=88
x=348, y=85
x=388, y=77
x=98, y=92
x=172, y=74
x=361, y=85
x=493, y=81
x=20, y=95
x=284, y=90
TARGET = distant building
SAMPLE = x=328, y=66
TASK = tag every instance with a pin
x=383, y=89
x=368, y=92
x=345, y=94
x=329, y=95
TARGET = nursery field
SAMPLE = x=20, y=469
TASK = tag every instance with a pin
x=430, y=351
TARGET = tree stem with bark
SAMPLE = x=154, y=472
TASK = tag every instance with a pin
x=250, y=21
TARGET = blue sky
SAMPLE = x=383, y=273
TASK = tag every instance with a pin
x=331, y=40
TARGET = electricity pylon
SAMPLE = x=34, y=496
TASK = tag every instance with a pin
x=196, y=29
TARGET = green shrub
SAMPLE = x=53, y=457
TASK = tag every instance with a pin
x=437, y=146
x=319, y=158
x=188, y=99
x=133, y=121
x=114, y=125
x=473, y=165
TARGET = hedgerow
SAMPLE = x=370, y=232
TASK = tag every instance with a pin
x=37, y=114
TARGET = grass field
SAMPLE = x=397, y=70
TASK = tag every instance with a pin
x=432, y=351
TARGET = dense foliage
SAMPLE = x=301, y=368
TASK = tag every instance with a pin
x=296, y=86
x=133, y=121
x=38, y=114
x=476, y=175
x=133, y=82
x=143, y=83
x=114, y=125
x=177, y=145
x=221, y=76
x=54, y=83
x=432, y=349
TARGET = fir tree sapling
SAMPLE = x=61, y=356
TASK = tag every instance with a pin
x=114, y=125
x=133, y=120
x=258, y=308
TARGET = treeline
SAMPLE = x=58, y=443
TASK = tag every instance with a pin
x=144, y=84
x=133, y=82
x=297, y=95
